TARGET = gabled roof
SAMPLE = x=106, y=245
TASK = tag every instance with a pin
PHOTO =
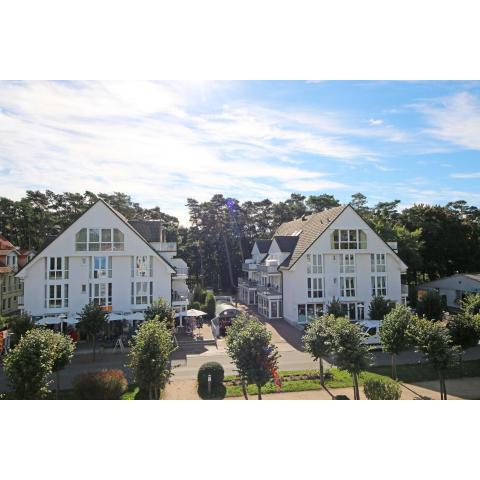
x=263, y=245
x=50, y=239
x=307, y=230
x=148, y=229
x=472, y=276
x=286, y=243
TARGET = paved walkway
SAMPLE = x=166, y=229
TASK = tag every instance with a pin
x=464, y=388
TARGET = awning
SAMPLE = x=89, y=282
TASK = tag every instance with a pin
x=135, y=316
x=50, y=321
x=113, y=317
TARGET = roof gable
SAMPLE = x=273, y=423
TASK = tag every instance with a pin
x=308, y=230
x=98, y=204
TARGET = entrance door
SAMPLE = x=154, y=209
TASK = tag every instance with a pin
x=274, y=309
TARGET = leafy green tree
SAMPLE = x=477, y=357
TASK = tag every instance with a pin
x=250, y=348
x=335, y=308
x=162, y=311
x=433, y=340
x=151, y=348
x=394, y=333
x=30, y=363
x=430, y=306
x=92, y=321
x=471, y=304
x=464, y=329
x=319, y=340
x=63, y=347
x=319, y=203
x=351, y=353
x=379, y=307
x=20, y=325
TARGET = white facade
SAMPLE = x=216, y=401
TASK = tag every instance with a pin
x=453, y=289
x=100, y=258
x=301, y=290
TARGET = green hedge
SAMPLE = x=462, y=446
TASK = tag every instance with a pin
x=217, y=373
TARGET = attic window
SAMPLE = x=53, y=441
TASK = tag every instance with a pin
x=99, y=239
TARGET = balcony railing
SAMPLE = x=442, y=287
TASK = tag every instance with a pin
x=274, y=291
x=167, y=247
x=268, y=268
x=181, y=271
x=247, y=282
x=249, y=267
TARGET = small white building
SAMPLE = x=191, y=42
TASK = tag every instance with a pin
x=319, y=257
x=452, y=289
x=105, y=259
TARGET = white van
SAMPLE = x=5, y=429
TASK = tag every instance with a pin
x=371, y=328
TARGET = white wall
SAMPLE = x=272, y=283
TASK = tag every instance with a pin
x=295, y=280
x=99, y=216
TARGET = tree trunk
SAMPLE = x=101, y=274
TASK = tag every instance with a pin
x=259, y=387
x=356, y=390
x=322, y=377
x=394, y=366
x=244, y=390
x=229, y=262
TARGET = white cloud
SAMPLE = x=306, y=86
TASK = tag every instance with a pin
x=466, y=175
x=163, y=142
x=375, y=121
x=454, y=119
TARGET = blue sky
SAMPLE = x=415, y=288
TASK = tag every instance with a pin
x=162, y=142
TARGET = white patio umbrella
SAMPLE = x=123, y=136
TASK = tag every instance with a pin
x=136, y=316
x=50, y=320
x=195, y=313
x=112, y=317
x=72, y=320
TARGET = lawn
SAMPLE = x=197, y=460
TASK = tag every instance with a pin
x=302, y=380
x=299, y=381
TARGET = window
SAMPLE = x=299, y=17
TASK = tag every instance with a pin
x=99, y=239
x=142, y=293
x=56, y=268
x=314, y=287
x=84, y=288
x=142, y=266
x=55, y=298
x=102, y=267
x=378, y=262
x=379, y=286
x=348, y=240
x=314, y=263
x=347, y=286
x=101, y=294
x=347, y=263
x=301, y=314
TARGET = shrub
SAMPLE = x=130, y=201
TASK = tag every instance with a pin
x=379, y=307
x=210, y=305
x=196, y=305
x=199, y=294
x=101, y=385
x=382, y=389
x=217, y=374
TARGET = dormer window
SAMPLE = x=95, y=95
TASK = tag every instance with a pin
x=349, y=240
x=99, y=239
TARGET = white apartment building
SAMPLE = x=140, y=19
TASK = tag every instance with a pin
x=319, y=257
x=105, y=259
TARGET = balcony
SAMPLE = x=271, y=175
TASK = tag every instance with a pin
x=179, y=299
x=247, y=283
x=166, y=247
x=271, y=269
x=269, y=291
x=404, y=290
x=180, y=272
x=249, y=267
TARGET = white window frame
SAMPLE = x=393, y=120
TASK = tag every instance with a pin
x=100, y=293
x=379, y=285
x=314, y=263
x=347, y=287
x=99, y=240
x=141, y=293
x=100, y=267
x=348, y=239
x=348, y=263
x=56, y=295
x=314, y=287
x=378, y=262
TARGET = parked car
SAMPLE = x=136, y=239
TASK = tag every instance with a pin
x=371, y=328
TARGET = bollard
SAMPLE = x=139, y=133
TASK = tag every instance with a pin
x=209, y=381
